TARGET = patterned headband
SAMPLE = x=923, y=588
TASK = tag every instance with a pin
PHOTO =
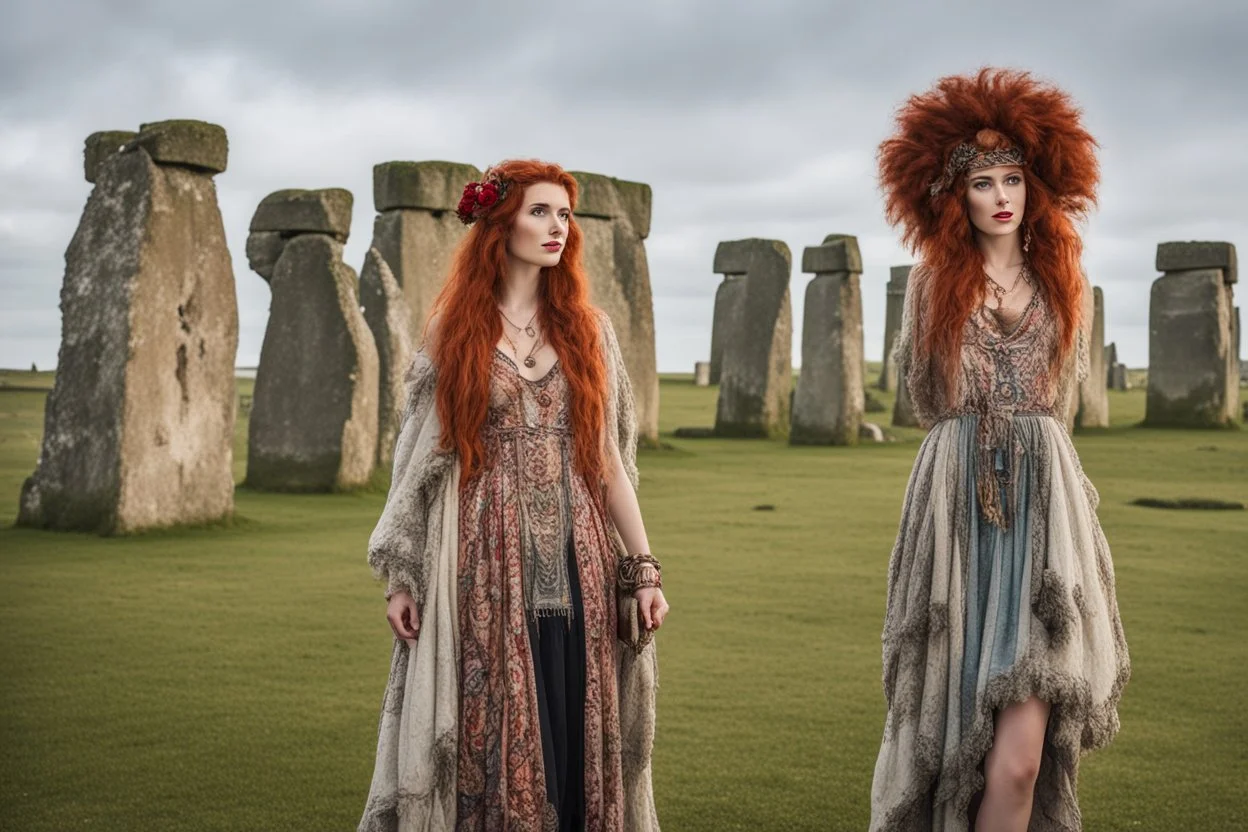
x=967, y=157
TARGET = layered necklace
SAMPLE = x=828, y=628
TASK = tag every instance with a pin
x=528, y=361
x=1000, y=292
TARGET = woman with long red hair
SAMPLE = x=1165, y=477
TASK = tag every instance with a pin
x=1004, y=654
x=521, y=588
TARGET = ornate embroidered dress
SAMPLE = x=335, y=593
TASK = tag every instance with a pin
x=1000, y=583
x=517, y=521
x=514, y=577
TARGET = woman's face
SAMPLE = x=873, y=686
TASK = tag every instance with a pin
x=996, y=198
x=540, y=230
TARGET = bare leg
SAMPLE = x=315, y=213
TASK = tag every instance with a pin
x=1011, y=767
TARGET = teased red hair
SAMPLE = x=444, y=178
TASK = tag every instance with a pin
x=469, y=326
x=1061, y=175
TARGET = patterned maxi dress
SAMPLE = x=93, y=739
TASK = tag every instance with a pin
x=1000, y=583
x=536, y=580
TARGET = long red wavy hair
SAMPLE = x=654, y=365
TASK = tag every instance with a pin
x=469, y=326
x=991, y=108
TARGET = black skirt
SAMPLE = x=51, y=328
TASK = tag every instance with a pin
x=558, y=646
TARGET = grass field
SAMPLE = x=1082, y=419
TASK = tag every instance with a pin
x=228, y=678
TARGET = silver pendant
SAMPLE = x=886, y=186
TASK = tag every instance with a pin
x=529, y=331
x=530, y=362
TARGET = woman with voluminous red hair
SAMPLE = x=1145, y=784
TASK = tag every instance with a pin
x=1004, y=654
x=521, y=588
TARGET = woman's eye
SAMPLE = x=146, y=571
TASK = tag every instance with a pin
x=537, y=212
x=1015, y=180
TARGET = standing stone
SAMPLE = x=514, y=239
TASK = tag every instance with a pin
x=1119, y=380
x=828, y=406
x=1115, y=371
x=416, y=230
x=1093, y=411
x=614, y=217
x=139, y=425
x=903, y=409
x=729, y=294
x=1193, y=378
x=314, y=422
x=702, y=374
x=896, y=301
x=757, y=370
x=387, y=314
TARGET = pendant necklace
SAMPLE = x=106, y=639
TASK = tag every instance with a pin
x=999, y=291
x=528, y=328
x=529, y=361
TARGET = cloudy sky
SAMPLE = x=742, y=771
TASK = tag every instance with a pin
x=748, y=119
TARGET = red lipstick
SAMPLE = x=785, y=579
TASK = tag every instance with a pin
x=552, y=246
x=1004, y=216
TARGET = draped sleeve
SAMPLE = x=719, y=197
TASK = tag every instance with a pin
x=921, y=385
x=621, y=415
x=401, y=547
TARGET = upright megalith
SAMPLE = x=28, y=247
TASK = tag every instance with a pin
x=614, y=217
x=1193, y=378
x=828, y=406
x=388, y=316
x=139, y=425
x=1115, y=371
x=313, y=424
x=757, y=373
x=416, y=229
x=727, y=297
x=903, y=409
x=895, y=303
x=1093, y=407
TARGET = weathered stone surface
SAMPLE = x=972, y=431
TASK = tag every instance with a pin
x=831, y=257
x=636, y=199
x=608, y=198
x=1192, y=378
x=389, y=318
x=757, y=370
x=730, y=293
x=263, y=250
x=1118, y=378
x=903, y=408
x=313, y=423
x=99, y=146
x=320, y=211
x=1111, y=358
x=1191, y=256
x=702, y=374
x=433, y=186
x=597, y=196
x=870, y=432
x=139, y=426
x=894, y=304
x=418, y=246
x=194, y=144
x=614, y=256
x=828, y=405
x=1093, y=411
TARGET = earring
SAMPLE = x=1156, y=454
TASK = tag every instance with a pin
x=1026, y=239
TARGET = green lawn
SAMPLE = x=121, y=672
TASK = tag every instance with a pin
x=229, y=678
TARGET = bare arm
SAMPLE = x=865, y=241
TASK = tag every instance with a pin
x=625, y=513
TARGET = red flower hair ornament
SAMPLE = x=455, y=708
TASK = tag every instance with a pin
x=480, y=197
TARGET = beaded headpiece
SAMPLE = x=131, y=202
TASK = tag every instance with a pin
x=479, y=197
x=967, y=157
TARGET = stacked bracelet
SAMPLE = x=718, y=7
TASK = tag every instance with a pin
x=640, y=571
